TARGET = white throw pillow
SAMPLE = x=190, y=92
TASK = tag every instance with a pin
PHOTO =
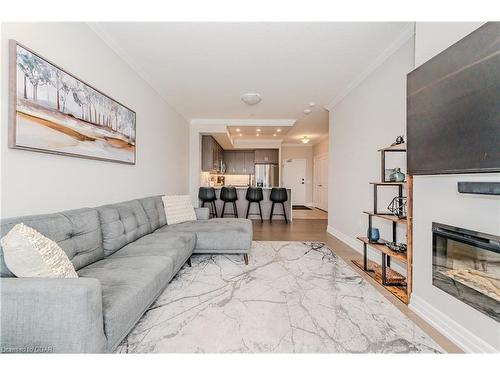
x=178, y=208
x=28, y=253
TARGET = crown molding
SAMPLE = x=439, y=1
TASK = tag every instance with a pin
x=297, y=144
x=111, y=43
x=405, y=35
x=243, y=122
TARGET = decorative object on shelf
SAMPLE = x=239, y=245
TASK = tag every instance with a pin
x=397, y=247
x=398, y=207
x=397, y=175
x=399, y=140
x=373, y=235
x=55, y=112
x=387, y=174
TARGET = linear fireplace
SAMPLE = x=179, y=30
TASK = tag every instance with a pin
x=466, y=264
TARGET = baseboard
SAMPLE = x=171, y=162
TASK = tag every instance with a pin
x=462, y=337
x=357, y=245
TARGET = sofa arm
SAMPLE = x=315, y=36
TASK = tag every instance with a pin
x=51, y=315
x=202, y=213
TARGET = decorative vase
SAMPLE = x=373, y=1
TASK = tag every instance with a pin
x=397, y=176
x=373, y=235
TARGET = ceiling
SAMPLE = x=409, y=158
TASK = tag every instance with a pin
x=202, y=69
x=258, y=132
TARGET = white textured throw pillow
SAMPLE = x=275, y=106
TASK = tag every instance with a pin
x=178, y=208
x=28, y=253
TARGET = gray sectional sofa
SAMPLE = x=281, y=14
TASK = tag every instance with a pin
x=125, y=255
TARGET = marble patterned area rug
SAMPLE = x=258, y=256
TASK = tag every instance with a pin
x=293, y=297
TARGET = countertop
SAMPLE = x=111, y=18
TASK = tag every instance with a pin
x=243, y=187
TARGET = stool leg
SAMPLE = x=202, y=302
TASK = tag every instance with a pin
x=235, y=209
x=271, y=216
x=215, y=208
x=223, y=208
x=284, y=212
x=260, y=212
x=248, y=208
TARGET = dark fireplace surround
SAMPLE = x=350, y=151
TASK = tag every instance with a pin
x=466, y=265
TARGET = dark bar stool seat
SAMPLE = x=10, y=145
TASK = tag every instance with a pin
x=254, y=195
x=229, y=195
x=278, y=195
x=207, y=195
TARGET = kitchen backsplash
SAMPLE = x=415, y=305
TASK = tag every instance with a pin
x=209, y=179
x=237, y=179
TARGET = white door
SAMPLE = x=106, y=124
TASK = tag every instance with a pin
x=294, y=178
x=321, y=182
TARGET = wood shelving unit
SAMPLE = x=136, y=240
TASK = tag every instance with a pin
x=383, y=274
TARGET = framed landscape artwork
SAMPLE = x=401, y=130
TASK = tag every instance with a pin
x=53, y=111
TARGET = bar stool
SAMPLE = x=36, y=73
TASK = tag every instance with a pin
x=255, y=195
x=229, y=195
x=207, y=195
x=278, y=195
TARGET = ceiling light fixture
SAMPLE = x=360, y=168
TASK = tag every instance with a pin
x=258, y=130
x=238, y=130
x=257, y=134
x=312, y=104
x=241, y=135
x=307, y=111
x=278, y=130
x=251, y=98
x=274, y=135
x=305, y=139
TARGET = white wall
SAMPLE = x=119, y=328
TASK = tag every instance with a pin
x=33, y=183
x=321, y=148
x=436, y=199
x=368, y=118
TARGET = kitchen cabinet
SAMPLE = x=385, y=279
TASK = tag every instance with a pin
x=211, y=154
x=266, y=156
x=239, y=162
x=249, y=162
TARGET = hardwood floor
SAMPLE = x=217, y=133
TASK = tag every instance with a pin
x=313, y=213
x=315, y=230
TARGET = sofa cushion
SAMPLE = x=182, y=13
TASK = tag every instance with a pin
x=28, y=253
x=155, y=211
x=129, y=286
x=121, y=224
x=77, y=232
x=177, y=246
x=216, y=235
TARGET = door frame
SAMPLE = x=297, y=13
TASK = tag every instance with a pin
x=315, y=176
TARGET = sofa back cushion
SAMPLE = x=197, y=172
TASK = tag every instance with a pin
x=155, y=211
x=121, y=224
x=77, y=232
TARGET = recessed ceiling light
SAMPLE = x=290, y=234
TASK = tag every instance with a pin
x=238, y=130
x=241, y=135
x=305, y=139
x=274, y=135
x=312, y=104
x=278, y=130
x=257, y=134
x=251, y=98
x=258, y=130
x=307, y=111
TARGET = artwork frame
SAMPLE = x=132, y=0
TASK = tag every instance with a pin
x=87, y=124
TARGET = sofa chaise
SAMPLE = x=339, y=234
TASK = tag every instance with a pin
x=125, y=255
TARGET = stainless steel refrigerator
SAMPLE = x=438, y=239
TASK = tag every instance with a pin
x=267, y=175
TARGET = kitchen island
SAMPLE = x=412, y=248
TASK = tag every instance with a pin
x=242, y=204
